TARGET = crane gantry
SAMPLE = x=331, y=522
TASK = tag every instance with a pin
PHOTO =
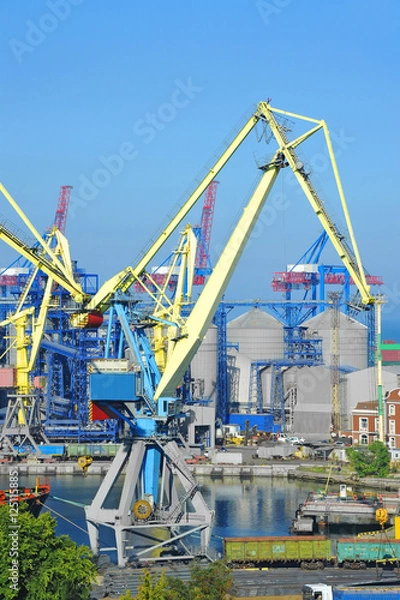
x=149, y=498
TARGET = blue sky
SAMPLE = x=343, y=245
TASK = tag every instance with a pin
x=127, y=101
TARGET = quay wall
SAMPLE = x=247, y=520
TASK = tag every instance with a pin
x=217, y=471
x=99, y=468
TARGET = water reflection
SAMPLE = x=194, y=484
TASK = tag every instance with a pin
x=256, y=507
x=242, y=508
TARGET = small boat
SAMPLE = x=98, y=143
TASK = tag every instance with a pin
x=35, y=497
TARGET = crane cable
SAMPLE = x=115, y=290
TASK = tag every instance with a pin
x=282, y=200
x=65, y=518
x=68, y=520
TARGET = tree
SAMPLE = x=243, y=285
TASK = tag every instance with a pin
x=373, y=460
x=35, y=564
x=211, y=582
x=153, y=587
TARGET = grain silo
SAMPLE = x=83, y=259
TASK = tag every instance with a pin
x=353, y=339
x=257, y=334
x=204, y=367
x=266, y=382
x=307, y=392
x=239, y=366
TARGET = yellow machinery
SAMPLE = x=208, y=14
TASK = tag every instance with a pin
x=84, y=462
x=22, y=422
x=381, y=515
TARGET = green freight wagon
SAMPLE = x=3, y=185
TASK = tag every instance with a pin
x=94, y=450
x=362, y=552
x=310, y=552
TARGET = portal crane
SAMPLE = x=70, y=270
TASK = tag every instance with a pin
x=203, y=232
x=185, y=345
x=147, y=499
x=64, y=197
x=22, y=423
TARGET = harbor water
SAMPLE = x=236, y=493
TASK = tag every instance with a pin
x=253, y=507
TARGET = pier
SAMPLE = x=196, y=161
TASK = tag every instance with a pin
x=321, y=511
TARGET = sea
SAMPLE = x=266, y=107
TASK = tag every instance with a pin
x=251, y=507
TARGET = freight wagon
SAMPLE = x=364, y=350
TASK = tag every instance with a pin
x=310, y=552
x=95, y=450
x=363, y=552
x=73, y=451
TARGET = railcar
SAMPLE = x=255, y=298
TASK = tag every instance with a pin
x=310, y=552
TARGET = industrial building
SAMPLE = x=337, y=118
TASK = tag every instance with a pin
x=256, y=337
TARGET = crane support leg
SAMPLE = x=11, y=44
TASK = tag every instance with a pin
x=160, y=504
x=22, y=425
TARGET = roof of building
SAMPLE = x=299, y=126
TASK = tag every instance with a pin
x=369, y=405
x=324, y=321
x=255, y=319
x=394, y=394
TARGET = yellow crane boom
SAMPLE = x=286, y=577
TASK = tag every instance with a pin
x=200, y=318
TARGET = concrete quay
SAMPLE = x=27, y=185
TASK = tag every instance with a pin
x=53, y=468
x=249, y=469
x=99, y=468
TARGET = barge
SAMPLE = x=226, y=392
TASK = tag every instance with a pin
x=35, y=497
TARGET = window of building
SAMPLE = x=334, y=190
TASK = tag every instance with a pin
x=392, y=410
x=392, y=426
x=376, y=424
x=391, y=442
x=363, y=424
x=364, y=439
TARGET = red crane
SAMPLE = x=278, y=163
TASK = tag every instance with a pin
x=203, y=233
x=283, y=281
x=64, y=197
x=202, y=258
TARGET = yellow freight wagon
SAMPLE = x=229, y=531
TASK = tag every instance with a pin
x=310, y=552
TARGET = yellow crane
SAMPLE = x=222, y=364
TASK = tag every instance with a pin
x=183, y=345
x=285, y=156
x=22, y=421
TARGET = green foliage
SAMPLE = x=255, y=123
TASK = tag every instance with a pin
x=211, y=582
x=206, y=583
x=177, y=589
x=127, y=596
x=372, y=460
x=45, y=565
x=153, y=587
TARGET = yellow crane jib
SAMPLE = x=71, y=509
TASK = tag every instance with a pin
x=48, y=265
x=181, y=350
x=200, y=318
x=285, y=157
x=348, y=254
